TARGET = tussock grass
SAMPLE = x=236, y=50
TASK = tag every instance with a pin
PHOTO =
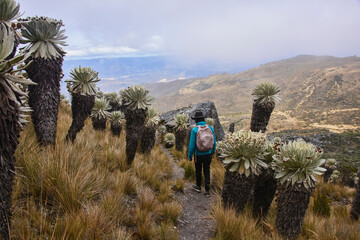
x=145, y=225
x=86, y=190
x=89, y=223
x=114, y=206
x=148, y=173
x=167, y=231
x=29, y=215
x=153, y=169
x=122, y=234
x=189, y=169
x=170, y=211
x=124, y=182
x=164, y=192
x=217, y=175
x=65, y=176
x=339, y=225
x=178, y=155
x=230, y=225
x=179, y=185
x=337, y=192
x=146, y=200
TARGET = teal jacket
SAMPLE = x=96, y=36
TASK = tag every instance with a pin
x=192, y=143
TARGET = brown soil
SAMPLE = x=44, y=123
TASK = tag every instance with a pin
x=195, y=222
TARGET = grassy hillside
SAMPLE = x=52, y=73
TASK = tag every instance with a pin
x=86, y=190
x=233, y=226
x=315, y=91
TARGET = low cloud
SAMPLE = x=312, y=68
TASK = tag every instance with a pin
x=99, y=51
x=109, y=79
x=163, y=80
x=227, y=32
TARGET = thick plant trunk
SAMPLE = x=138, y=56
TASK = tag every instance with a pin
x=81, y=106
x=115, y=106
x=355, y=208
x=236, y=190
x=9, y=133
x=327, y=174
x=292, y=204
x=44, y=98
x=180, y=139
x=135, y=121
x=260, y=116
x=265, y=184
x=116, y=129
x=147, y=140
x=169, y=145
x=99, y=123
x=232, y=127
x=264, y=192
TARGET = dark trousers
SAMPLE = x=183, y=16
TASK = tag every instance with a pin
x=203, y=162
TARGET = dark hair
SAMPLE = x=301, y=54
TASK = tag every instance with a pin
x=199, y=120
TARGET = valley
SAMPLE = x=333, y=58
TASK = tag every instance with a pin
x=316, y=92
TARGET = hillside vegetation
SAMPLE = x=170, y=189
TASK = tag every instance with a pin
x=317, y=92
x=233, y=226
x=86, y=190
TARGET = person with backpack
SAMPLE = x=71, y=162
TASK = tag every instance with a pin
x=202, y=145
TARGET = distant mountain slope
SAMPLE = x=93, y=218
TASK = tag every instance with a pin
x=321, y=90
x=121, y=72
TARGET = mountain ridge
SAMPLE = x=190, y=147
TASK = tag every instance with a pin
x=319, y=90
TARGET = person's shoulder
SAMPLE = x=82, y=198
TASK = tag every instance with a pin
x=211, y=127
x=194, y=129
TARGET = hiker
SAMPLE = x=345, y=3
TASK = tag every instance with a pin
x=202, y=145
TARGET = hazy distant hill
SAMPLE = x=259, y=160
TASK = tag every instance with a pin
x=118, y=73
x=318, y=91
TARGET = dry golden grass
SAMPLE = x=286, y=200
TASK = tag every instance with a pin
x=115, y=207
x=231, y=226
x=167, y=231
x=178, y=156
x=86, y=190
x=243, y=226
x=338, y=226
x=164, y=192
x=217, y=175
x=124, y=182
x=170, y=211
x=146, y=199
x=179, y=185
x=122, y=234
x=153, y=169
x=145, y=227
x=189, y=169
x=337, y=192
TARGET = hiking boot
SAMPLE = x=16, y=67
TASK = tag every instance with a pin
x=207, y=193
x=196, y=188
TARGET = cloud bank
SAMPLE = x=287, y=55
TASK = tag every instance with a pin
x=227, y=32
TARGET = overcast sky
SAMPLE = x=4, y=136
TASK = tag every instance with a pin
x=224, y=31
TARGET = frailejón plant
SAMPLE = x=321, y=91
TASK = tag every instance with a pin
x=43, y=38
x=82, y=87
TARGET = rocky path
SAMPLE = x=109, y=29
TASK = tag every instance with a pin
x=195, y=222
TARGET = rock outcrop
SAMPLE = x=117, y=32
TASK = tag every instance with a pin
x=209, y=110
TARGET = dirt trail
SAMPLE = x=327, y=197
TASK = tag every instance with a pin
x=195, y=222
